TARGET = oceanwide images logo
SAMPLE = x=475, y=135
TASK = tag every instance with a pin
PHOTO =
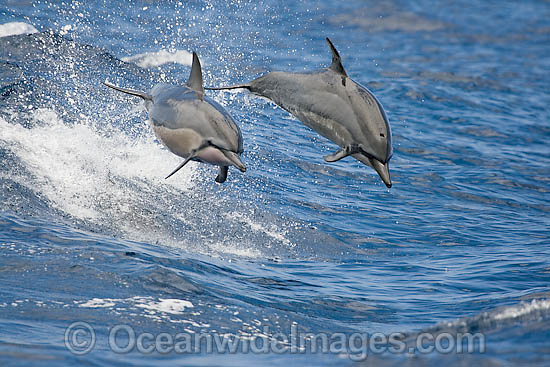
x=80, y=339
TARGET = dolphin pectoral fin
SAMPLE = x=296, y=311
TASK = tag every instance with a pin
x=342, y=153
x=129, y=91
x=336, y=60
x=234, y=159
x=191, y=156
x=195, y=78
x=222, y=175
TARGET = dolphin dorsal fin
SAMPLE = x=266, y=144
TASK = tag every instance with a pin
x=195, y=78
x=336, y=60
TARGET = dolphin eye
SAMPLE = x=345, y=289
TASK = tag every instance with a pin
x=382, y=135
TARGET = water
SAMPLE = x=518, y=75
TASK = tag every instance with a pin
x=91, y=231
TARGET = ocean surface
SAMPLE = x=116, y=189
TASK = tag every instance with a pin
x=91, y=232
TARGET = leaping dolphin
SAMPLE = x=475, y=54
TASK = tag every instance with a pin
x=335, y=106
x=192, y=125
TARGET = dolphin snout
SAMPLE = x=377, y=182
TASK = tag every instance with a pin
x=383, y=170
x=235, y=160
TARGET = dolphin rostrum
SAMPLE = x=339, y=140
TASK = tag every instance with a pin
x=191, y=125
x=336, y=107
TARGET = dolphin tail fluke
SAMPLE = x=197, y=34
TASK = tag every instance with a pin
x=222, y=175
x=336, y=60
x=132, y=92
x=237, y=86
x=234, y=159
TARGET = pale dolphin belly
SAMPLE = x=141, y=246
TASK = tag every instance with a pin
x=182, y=141
x=179, y=141
x=213, y=156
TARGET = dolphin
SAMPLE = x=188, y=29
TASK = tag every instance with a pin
x=335, y=106
x=191, y=125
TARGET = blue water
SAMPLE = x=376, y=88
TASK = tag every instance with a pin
x=90, y=231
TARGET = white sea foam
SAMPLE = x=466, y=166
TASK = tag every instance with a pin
x=14, y=28
x=161, y=309
x=503, y=314
x=271, y=231
x=99, y=303
x=231, y=247
x=113, y=180
x=81, y=171
x=522, y=309
x=166, y=305
x=153, y=59
x=173, y=306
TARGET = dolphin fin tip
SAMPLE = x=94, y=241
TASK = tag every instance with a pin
x=336, y=64
x=195, y=77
